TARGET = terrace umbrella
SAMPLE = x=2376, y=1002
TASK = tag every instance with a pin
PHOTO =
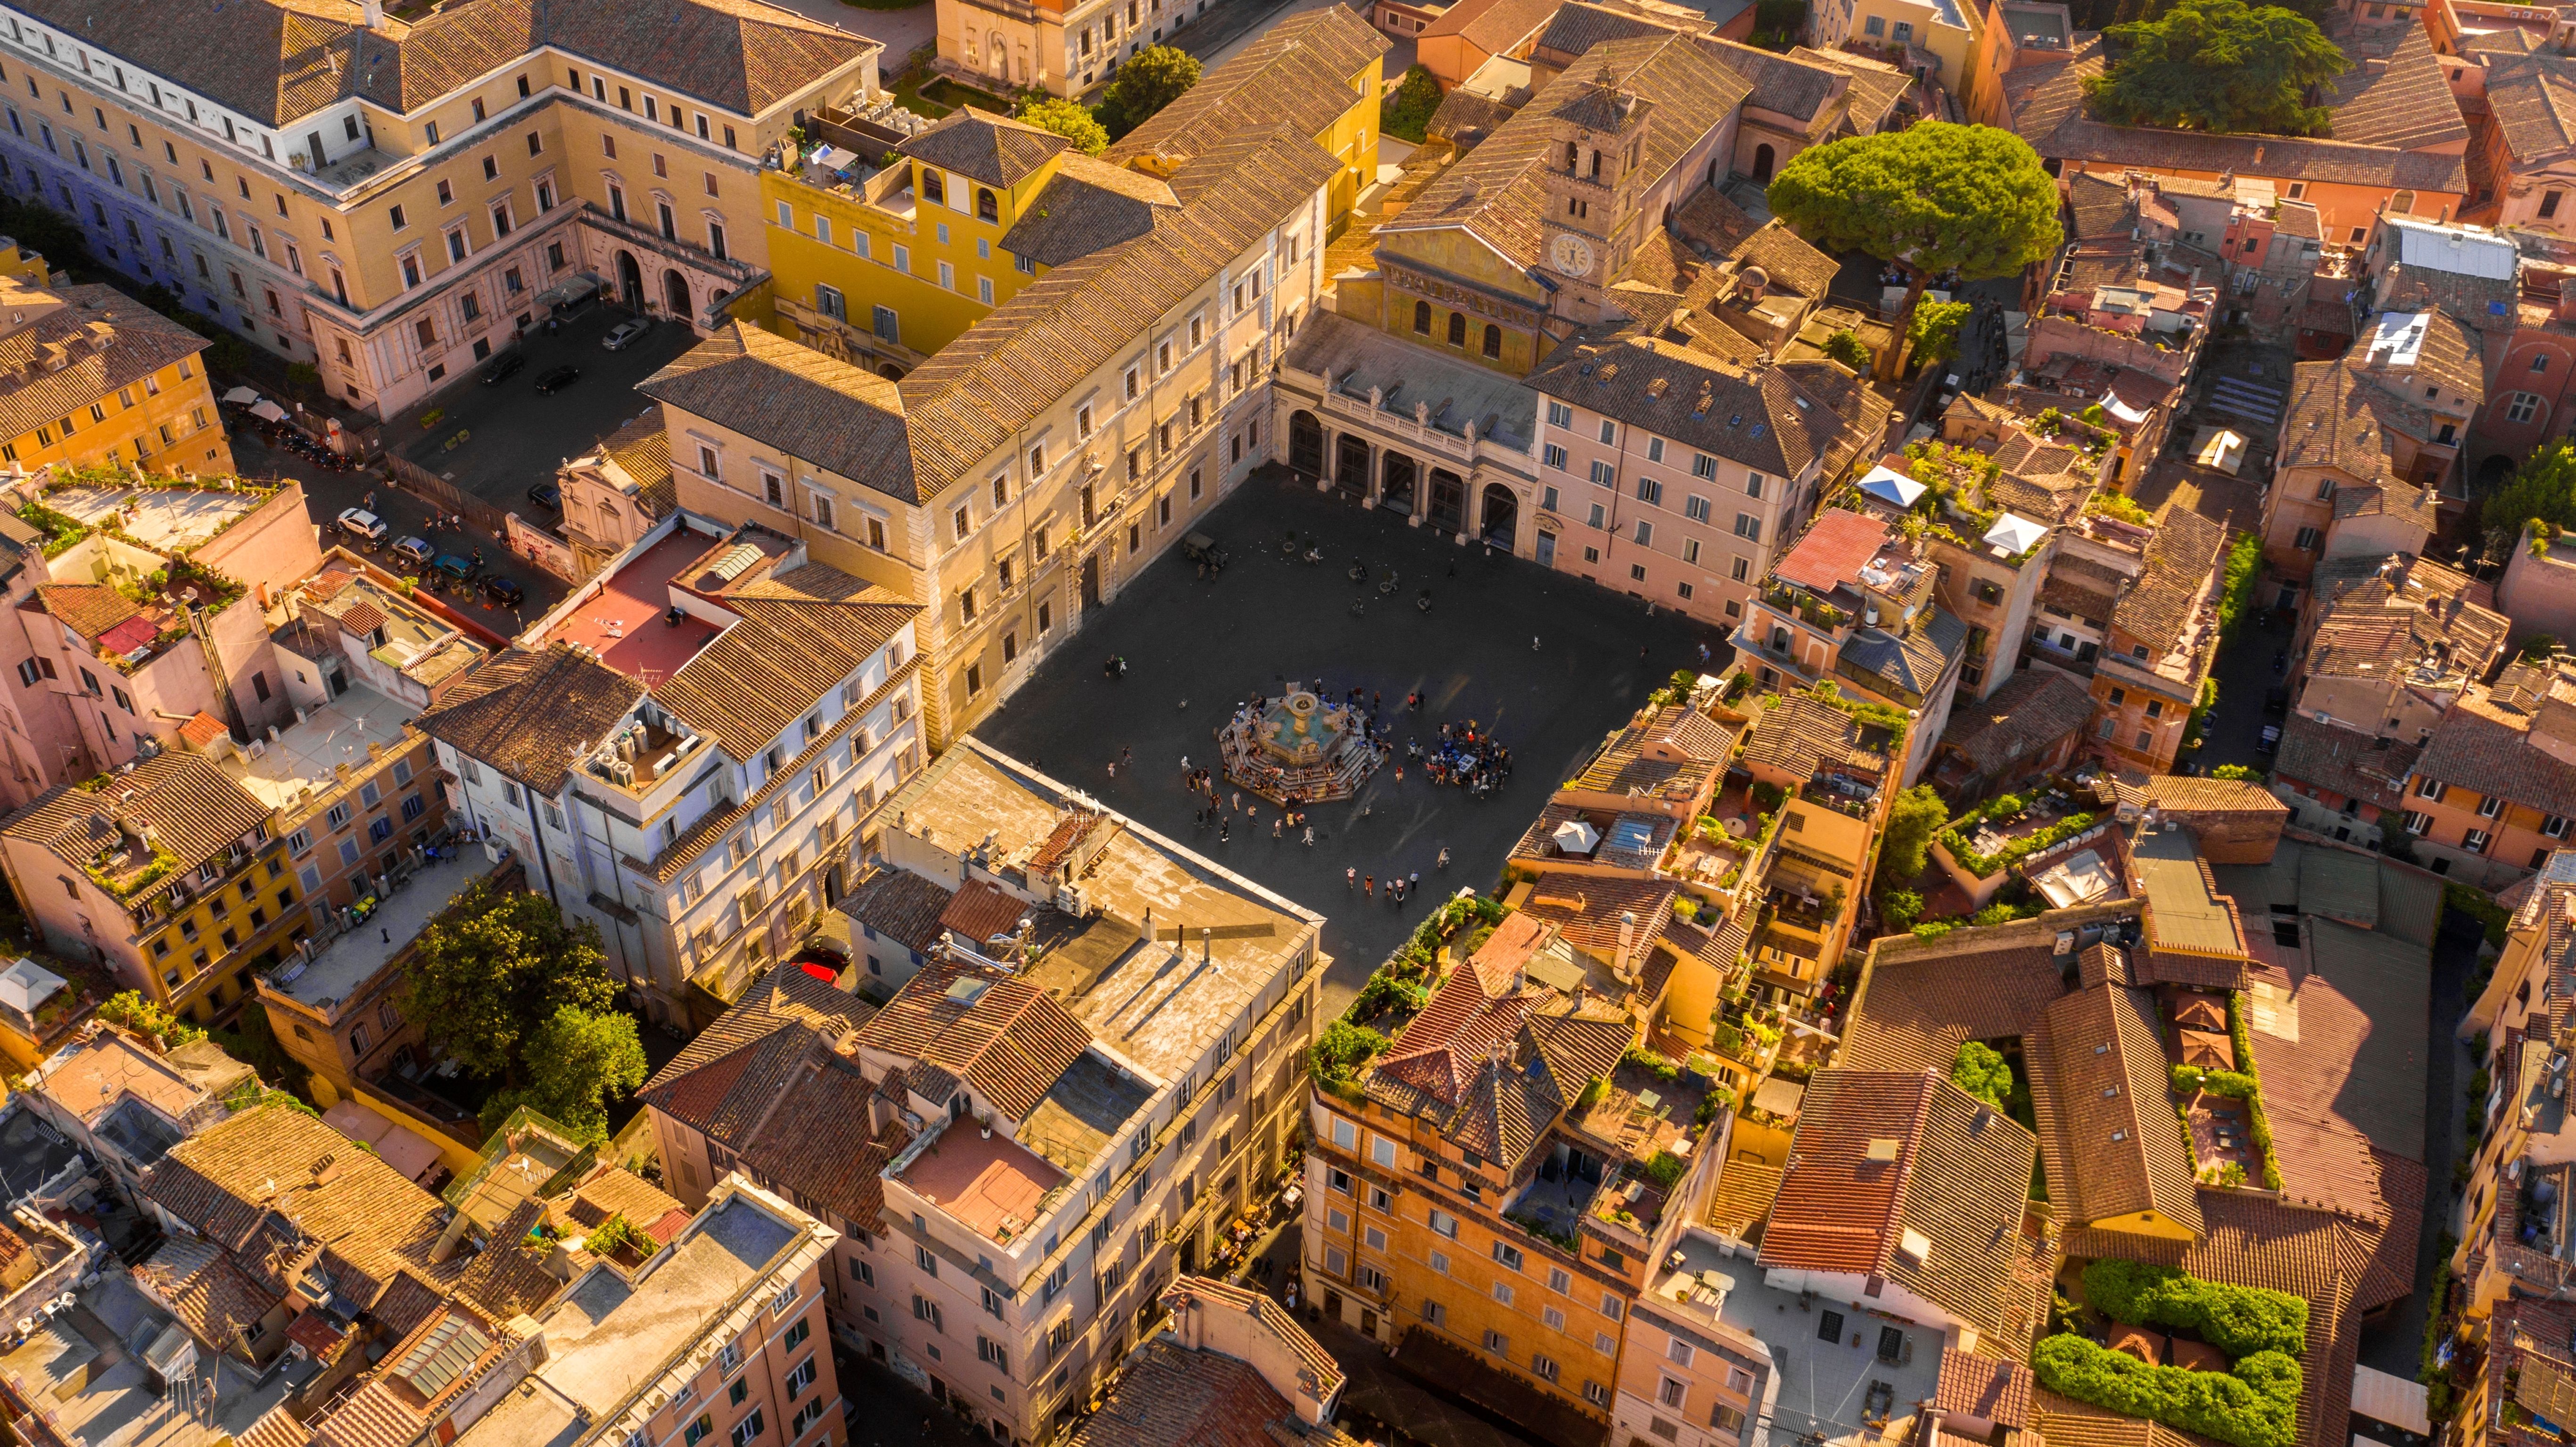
x=2201, y=1013
x=1576, y=837
x=2207, y=1051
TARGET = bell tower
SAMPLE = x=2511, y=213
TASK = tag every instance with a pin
x=1591, y=172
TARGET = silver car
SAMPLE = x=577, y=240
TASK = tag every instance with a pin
x=623, y=333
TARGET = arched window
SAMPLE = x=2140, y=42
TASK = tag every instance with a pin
x=1422, y=317
x=1573, y=157
x=2402, y=204
x=1457, y=329
x=1493, y=341
x=933, y=190
x=1668, y=216
x=986, y=208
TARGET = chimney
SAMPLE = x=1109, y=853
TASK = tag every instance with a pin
x=375, y=14
x=1627, y=942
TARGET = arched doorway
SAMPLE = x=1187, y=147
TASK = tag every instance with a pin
x=630, y=281
x=1502, y=517
x=1448, y=502
x=1763, y=160
x=1351, y=464
x=1091, y=581
x=890, y=372
x=1305, y=446
x=1400, y=473
x=675, y=293
x=999, y=54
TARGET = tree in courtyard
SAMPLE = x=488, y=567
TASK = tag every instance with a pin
x=149, y=1019
x=1846, y=347
x=1982, y=1072
x=1153, y=79
x=489, y=974
x=1933, y=198
x=1912, y=822
x=2542, y=490
x=1900, y=908
x=1406, y=113
x=575, y=1062
x=1070, y=120
x=1934, y=331
x=2218, y=65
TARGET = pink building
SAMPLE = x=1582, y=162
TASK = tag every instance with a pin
x=1678, y=473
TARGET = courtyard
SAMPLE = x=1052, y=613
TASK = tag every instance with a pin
x=1195, y=648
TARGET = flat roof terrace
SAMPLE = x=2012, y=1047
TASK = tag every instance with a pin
x=166, y=519
x=624, y=621
x=991, y=1184
x=304, y=756
x=354, y=958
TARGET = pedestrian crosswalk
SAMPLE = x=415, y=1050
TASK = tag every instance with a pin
x=2255, y=402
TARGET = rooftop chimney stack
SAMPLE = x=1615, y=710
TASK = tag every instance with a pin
x=375, y=13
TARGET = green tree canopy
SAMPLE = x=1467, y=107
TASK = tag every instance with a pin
x=1406, y=114
x=2218, y=65
x=1934, y=331
x=1151, y=80
x=576, y=1062
x=1933, y=197
x=489, y=974
x=149, y=1018
x=2543, y=490
x=1912, y=822
x=1982, y=1072
x=1070, y=120
x=1846, y=347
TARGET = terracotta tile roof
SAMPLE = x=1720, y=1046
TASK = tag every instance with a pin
x=843, y=418
x=1975, y=1386
x=817, y=1145
x=901, y=905
x=2028, y=715
x=2483, y=744
x=1586, y=910
x=1785, y=85
x=982, y=910
x=727, y=1077
x=522, y=712
x=1754, y=413
x=2394, y=96
x=277, y=62
x=1297, y=72
x=202, y=730
x=1495, y=192
x=1089, y=206
x=642, y=449
x=2102, y=208
x=802, y=633
x=2345, y=761
x=1577, y=27
x=2200, y=794
x=616, y=1191
x=97, y=341
x=1276, y=1320
x=202, y=1287
x=1876, y=87
x=2532, y=98
x=194, y=809
x=2181, y=567
x=88, y=609
x=2106, y=1123
x=1168, y=1394
x=1914, y=1010
x=1803, y=737
x=1005, y=1037
x=1491, y=1065
x=984, y=147
x=1833, y=550
x=1742, y=1201
x=2047, y=108
x=1955, y=1185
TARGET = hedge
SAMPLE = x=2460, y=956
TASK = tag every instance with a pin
x=2238, y=1320
x=2256, y=1404
x=2188, y=1078
x=1986, y=866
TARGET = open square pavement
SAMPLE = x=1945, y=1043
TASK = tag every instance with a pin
x=1213, y=644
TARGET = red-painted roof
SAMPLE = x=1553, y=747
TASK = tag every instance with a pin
x=135, y=632
x=202, y=730
x=1833, y=551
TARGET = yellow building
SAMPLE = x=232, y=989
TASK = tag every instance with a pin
x=392, y=201
x=92, y=377
x=1934, y=40
x=168, y=874
x=884, y=265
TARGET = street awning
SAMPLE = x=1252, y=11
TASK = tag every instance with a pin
x=267, y=410
x=240, y=396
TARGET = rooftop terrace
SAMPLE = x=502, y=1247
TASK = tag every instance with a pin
x=625, y=620
x=301, y=760
x=992, y=1185
x=164, y=519
x=348, y=962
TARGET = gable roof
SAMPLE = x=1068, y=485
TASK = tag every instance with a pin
x=2106, y=1123
x=1297, y=73
x=523, y=712
x=2181, y=564
x=1001, y=1034
x=2033, y=710
x=194, y=809
x=809, y=405
x=981, y=146
x=2345, y=761
x=801, y=633
x=1953, y=1176
x=1492, y=1061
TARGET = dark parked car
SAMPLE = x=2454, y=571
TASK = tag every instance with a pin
x=503, y=368
x=2271, y=739
x=504, y=593
x=453, y=568
x=556, y=380
x=2277, y=701
x=546, y=495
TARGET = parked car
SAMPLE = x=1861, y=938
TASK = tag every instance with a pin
x=503, y=593
x=556, y=380
x=503, y=368
x=2270, y=741
x=363, y=525
x=2276, y=701
x=453, y=568
x=415, y=551
x=624, y=334
x=546, y=495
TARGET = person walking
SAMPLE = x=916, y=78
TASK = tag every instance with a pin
x=1113, y=768
x=1368, y=886
x=1350, y=877
x=1533, y=643
x=1444, y=859
x=1185, y=759
x=1412, y=882
x=1310, y=836
x=1276, y=825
